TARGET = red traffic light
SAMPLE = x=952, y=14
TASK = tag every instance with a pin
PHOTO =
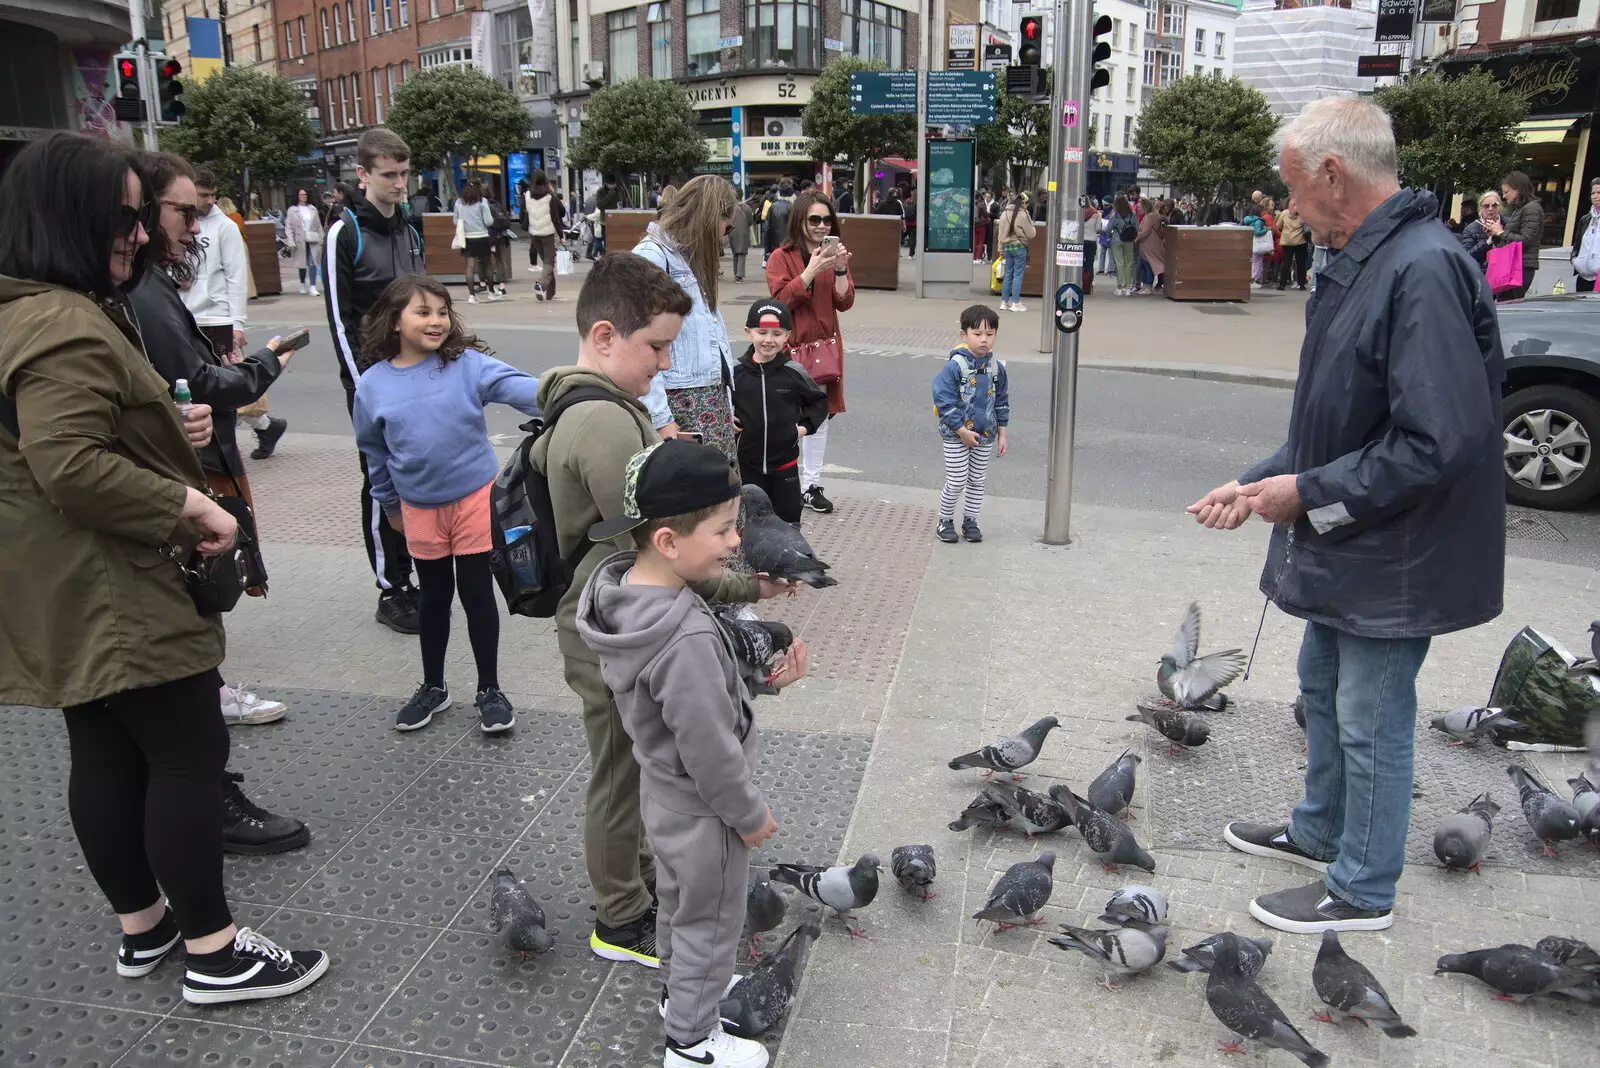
x=1030, y=28
x=126, y=68
x=171, y=69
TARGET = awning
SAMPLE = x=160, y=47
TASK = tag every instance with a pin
x=1544, y=131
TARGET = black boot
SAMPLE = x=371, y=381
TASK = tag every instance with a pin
x=250, y=830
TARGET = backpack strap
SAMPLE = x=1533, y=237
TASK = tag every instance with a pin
x=571, y=398
x=961, y=362
x=8, y=417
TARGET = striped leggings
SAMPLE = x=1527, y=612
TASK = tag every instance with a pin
x=963, y=467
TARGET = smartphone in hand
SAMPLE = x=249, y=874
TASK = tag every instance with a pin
x=299, y=339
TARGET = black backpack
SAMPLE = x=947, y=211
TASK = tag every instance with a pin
x=526, y=558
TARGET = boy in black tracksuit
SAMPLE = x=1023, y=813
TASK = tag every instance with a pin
x=777, y=403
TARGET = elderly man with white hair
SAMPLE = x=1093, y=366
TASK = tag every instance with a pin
x=1388, y=505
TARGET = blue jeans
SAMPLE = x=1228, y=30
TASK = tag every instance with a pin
x=1011, y=281
x=1361, y=711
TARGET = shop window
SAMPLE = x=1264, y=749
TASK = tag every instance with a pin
x=782, y=33
x=622, y=45
x=660, y=19
x=703, y=29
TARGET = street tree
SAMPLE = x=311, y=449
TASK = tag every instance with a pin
x=640, y=125
x=246, y=125
x=447, y=110
x=1455, y=134
x=833, y=133
x=1203, y=133
x=1019, y=136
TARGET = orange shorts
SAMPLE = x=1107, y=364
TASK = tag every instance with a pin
x=458, y=529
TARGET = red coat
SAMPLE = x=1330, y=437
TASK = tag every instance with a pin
x=815, y=309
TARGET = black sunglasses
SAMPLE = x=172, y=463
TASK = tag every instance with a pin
x=129, y=218
x=825, y=220
x=190, y=212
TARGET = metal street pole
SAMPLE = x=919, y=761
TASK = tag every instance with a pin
x=147, y=78
x=1069, y=117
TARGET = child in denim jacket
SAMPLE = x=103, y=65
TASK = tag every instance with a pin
x=972, y=403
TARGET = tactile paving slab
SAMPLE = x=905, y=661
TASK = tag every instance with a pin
x=1253, y=768
x=325, y=486
x=224, y=1044
x=36, y=1031
x=393, y=873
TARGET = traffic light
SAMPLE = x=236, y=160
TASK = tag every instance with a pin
x=1026, y=77
x=1031, y=31
x=1099, y=52
x=169, y=91
x=129, y=105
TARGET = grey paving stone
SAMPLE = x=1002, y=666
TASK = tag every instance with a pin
x=273, y=880
x=340, y=784
x=363, y=1056
x=223, y=1043
x=398, y=874
x=483, y=799
x=371, y=730
x=38, y=1031
x=312, y=715
x=550, y=864
x=552, y=741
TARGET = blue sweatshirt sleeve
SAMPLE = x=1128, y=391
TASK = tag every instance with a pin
x=500, y=383
x=947, y=397
x=1002, y=395
x=369, y=436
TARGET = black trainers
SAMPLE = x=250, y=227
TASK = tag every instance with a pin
x=633, y=942
x=397, y=610
x=816, y=501
x=267, y=440
x=1269, y=840
x=418, y=712
x=251, y=969
x=250, y=830
x=494, y=711
x=141, y=954
x=969, y=529
x=946, y=531
x=1313, y=909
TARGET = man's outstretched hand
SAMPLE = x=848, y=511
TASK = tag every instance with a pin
x=1224, y=508
x=1275, y=499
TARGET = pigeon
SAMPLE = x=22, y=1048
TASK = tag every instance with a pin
x=1465, y=725
x=1191, y=681
x=1027, y=811
x=763, y=911
x=1135, y=903
x=1594, y=639
x=1300, y=711
x=1180, y=728
x=1463, y=836
x=1121, y=951
x=1586, y=803
x=1348, y=989
x=1106, y=836
x=756, y=643
x=841, y=887
x=1112, y=789
x=1572, y=952
x=983, y=809
x=1246, y=1010
x=1202, y=955
x=1518, y=973
x=1551, y=818
x=913, y=866
x=1010, y=754
x=1021, y=892
x=776, y=548
x=759, y=999
x=516, y=916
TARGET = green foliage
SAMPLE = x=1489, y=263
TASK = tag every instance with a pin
x=834, y=133
x=1202, y=132
x=241, y=119
x=447, y=110
x=1455, y=133
x=640, y=125
x=1020, y=135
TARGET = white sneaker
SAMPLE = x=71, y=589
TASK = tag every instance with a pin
x=241, y=706
x=302, y=289
x=471, y=299
x=717, y=1050
x=1017, y=305
x=314, y=291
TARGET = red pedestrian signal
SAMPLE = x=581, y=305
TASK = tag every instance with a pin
x=1031, y=31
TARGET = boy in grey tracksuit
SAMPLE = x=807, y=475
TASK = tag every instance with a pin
x=683, y=703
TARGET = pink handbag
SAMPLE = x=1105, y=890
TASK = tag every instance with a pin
x=1505, y=267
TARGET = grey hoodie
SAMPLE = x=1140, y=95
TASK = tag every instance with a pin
x=665, y=659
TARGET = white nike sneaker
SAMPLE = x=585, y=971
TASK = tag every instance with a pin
x=242, y=706
x=717, y=1050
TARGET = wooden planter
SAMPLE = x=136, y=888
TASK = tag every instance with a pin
x=625, y=228
x=874, y=244
x=1208, y=262
x=261, y=244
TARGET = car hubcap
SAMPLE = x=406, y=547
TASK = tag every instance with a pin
x=1546, y=449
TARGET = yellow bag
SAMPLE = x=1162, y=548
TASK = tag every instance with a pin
x=997, y=275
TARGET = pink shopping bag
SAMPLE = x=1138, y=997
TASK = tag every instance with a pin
x=1505, y=267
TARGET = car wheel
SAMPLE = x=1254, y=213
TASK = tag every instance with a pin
x=1550, y=437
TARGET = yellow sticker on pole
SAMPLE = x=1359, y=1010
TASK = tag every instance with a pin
x=1052, y=187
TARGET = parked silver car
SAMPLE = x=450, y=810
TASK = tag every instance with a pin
x=1552, y=400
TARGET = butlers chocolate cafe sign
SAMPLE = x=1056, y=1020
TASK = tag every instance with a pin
x=1556, y=80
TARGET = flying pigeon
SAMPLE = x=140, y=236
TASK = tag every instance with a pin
x=1120, y=951
x=1112, y=789
x=1180, y=728
x=776, y=548
x=1551, y=818
x=1144, y=904
x=1021, y=892
x=1010, y=754
x=763, y=911
x=1027, y=811
x=984, y=809
x=841, y=887
x=759, y=999
x=516, y=916
x=756, y=643
x=1572, y=952
x=913, y=866
x=1463, y=836
x=1246, y=1010
x=1586, y=803
x=1107, y=837
x=1465, y=725
x=1195, y=682
x=1519, y=973
x=1202, y=955
x=1348, y=989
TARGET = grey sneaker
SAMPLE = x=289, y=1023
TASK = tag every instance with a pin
x=946, y=531
x=1269, y=840
x=969, y=529
x=1313, y=908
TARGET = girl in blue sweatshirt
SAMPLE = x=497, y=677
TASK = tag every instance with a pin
x=419, y=419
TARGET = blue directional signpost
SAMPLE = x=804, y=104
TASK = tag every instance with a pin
x=961, y=97
x=891, y=92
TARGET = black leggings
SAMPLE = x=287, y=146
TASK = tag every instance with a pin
x=782, y=486
x=145, y=794
x=439, y=582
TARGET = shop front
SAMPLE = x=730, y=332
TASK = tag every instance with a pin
x=1109, y=173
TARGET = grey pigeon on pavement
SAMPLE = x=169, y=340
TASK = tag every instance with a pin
x=1028, y=812
x=913, y=866
x=1551, y=818
x=1010, y=754
x=1112, y=789
x=1300, y=710
x=1180, y=728
x=1348, y=989
x=1192, y=681
x=1202, y=955
x=1463, y=836
x=763, y=911
x=1521, y=972
x=776, y=548
x=1246, y=1010
x=1586, y=803
x=985, y=810
x=1106, y=836
x=756, y=644
x=1573, y=952
x=1594, y=639
x=516, y=916
x=1135, y=903
x=759, y=999
x=842, y=887
x=1465, y=725
x=1020, y=893
x=1120, y=951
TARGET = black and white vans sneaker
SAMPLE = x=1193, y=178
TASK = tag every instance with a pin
x=1269, y=840
x=141, y=954
x=1313, y=908
x=252, y=969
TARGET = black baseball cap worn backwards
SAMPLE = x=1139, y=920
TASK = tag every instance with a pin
x=673, y=477
x=769, y=313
